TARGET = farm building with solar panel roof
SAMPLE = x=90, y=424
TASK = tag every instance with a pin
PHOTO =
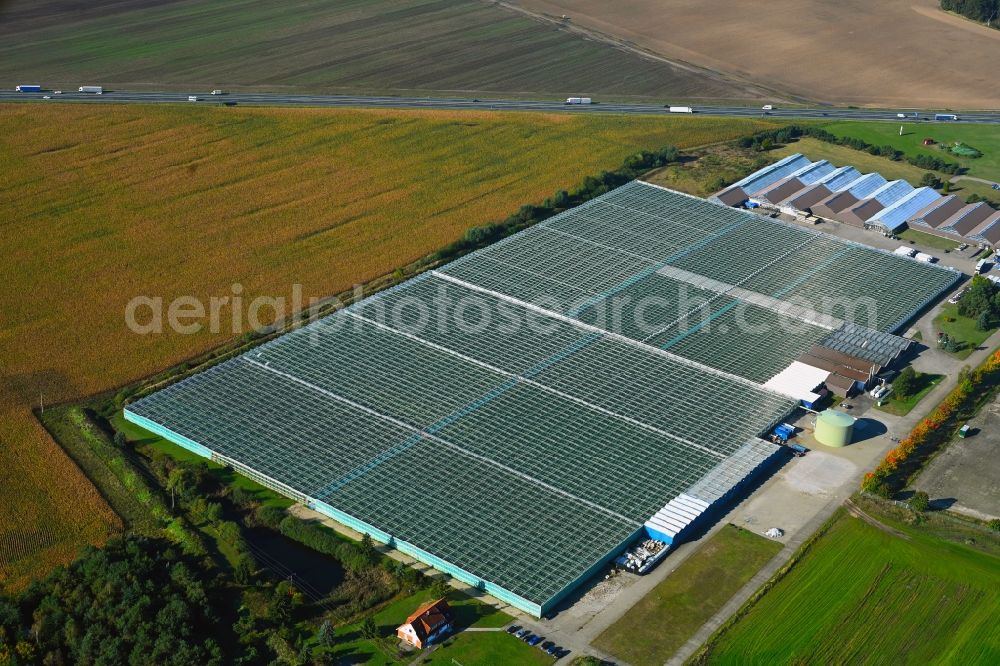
x=519, y=417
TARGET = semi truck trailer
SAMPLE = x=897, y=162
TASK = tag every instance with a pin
x=97, y=90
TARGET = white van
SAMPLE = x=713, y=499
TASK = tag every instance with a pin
x=767, y=107
x=192, y=98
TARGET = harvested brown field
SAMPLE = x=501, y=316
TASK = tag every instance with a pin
x=906, y=53
x=104, y=203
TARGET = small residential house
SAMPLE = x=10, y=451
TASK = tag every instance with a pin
x=429, y=623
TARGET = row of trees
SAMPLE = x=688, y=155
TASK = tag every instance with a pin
x=984, y=11
x=901, y=462
x=769, y=138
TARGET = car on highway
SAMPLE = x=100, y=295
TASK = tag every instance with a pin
x=57, y=92
x=217, y=92
x=46, y=97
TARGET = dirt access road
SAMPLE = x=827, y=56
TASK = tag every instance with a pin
x=891, y=53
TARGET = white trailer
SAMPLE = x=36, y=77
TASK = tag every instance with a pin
x=578, y=100
x=192, y=98
x=97, y=90
x=680, y=109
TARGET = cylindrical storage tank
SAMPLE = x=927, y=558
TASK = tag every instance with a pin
x=834, y=428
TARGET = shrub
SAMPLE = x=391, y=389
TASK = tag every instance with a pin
x=244, y=569
x=269, y=516
x=905, y=383
x=994, y=524
x=930, y=180
x=920, y=501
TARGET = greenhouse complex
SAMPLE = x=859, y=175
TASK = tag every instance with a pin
x=519, y=417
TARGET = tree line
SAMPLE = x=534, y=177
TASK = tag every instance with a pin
x=771, y=138
x=983, y=11
x=592, y=186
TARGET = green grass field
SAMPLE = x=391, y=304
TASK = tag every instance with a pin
x=656, y=627
x=861, y=595
x=986, y=138
x=464, y=46
x=815, y=149
x=353, y=648
x=487, y=648
x=928, y=240
x=962, y=329
x=902, y=406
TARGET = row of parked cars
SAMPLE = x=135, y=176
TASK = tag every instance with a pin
x=533, y=640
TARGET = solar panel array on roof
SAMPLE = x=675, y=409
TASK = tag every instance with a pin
x=865, y=185
x=895, y=216
x=869, y=200
x=838, y=180
x=892, y=192
x=810, y=174
x=516, y=417
x=773, y=173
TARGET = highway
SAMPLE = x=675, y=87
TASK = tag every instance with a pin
x=458, y=103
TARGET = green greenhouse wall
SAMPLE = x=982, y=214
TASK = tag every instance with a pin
x=166, y=433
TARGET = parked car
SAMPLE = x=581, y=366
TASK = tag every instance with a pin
x=535, y=640
x=522, y=633
x=552, y=650
x=513, y=629
x=562, y=653
x=547, y=645
x=527, y=637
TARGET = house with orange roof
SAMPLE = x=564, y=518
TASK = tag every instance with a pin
x=427, y=624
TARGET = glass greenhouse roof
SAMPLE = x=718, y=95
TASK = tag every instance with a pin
x=519, y=413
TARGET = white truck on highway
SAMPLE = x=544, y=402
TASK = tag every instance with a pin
x=767, y=107
x=97, y=90
x=680, y=109
x=578, y=100
x=192, y=98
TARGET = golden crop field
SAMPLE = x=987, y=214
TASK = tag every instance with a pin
x=104, y=203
